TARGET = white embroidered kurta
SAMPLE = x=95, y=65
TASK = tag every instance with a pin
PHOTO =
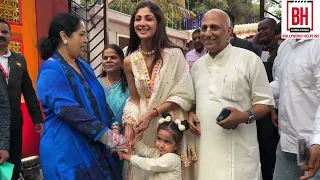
x=234, y=78
x=165, y=167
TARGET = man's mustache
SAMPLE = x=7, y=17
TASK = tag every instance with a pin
x=3, y=39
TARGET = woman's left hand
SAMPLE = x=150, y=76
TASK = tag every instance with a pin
x=142, y=125
x=144, y=121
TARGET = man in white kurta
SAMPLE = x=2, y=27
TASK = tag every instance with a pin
x=233, y=78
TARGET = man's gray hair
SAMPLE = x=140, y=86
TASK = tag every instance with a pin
x=229, y=22
x=231, y=16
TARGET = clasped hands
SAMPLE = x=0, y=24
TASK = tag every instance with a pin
x=134, y=133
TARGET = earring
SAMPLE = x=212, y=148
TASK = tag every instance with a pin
x=121, y=67
x=65, y=42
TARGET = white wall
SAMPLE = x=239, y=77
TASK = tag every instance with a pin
x=116, y=29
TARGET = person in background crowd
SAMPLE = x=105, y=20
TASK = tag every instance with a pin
x=255, y=39
x=234, y=40
x=268, y=136
x=187, y=47
x=257, y=45
x=296, y=87
x=198, y=50
x=266, y=35
x=77, y=135
x=232, y=78
x=14, y=68
x=4, y=120
x=159, y=82
x=114, y=83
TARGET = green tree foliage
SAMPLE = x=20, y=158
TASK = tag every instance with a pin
x=124, y=6
x=200, y=6
x=242, y=10
x=245, y=11
x=277, y=12
x=174, y=10
x=256, y=11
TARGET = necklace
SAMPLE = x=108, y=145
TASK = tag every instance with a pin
x=112, y=86
x=149, y=53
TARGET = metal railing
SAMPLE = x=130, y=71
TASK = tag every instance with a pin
x=94, y=15
x=263, y=10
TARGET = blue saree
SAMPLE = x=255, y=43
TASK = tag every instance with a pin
x=76, y=117
x=116, y=100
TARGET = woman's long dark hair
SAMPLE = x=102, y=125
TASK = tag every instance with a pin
x=160, y=40
x=124, y=82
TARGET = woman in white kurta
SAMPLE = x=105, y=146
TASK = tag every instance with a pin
x=168, y=86
x=159, y=82
x=233, y=78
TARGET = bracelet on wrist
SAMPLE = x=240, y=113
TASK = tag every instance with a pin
x=156, y=113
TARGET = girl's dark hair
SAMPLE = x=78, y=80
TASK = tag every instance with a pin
x=61, y=22
x=160, y=40
x=173, y=128
x=124, y=82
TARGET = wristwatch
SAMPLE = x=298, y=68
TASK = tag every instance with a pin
x=251, y=117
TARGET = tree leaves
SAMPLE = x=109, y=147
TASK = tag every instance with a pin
x=245, y=11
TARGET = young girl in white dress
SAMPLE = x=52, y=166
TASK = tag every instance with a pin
x=162, y=162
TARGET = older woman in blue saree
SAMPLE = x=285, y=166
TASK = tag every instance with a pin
x=115, y=85
x=77, y=138
x=114, y=82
